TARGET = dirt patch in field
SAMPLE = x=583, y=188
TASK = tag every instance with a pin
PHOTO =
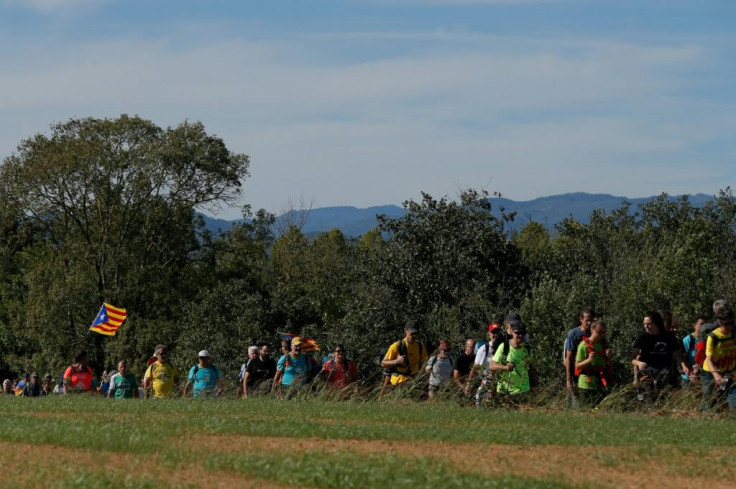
x=33, y=466
x=612, y=467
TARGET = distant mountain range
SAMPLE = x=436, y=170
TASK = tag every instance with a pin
x=548, y=211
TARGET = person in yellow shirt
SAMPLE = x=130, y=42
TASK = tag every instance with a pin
x=160, y=377
x=719, y=367
x=404, y=358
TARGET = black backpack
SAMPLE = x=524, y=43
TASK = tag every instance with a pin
x=403, y=350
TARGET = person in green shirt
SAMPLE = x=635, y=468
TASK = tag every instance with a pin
x=123, y=384
x=513, y=366
x=591, y=365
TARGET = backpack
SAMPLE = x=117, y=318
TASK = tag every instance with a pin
x=403, y=350
x=600, y=372
x=506, y=343
x=703, y=342
x=211, y=366
x=430, y=365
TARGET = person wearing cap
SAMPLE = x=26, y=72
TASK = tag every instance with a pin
x=511, y=361
x=405, y=358
x=572, y=341
x=32, y=388
x=161, y=377
x=293, y=369
x=439, y=368
x=482, y=364
x=205, y=378
x=123, y=385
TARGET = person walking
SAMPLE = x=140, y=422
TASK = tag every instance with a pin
x=719, y=367
x=205, y=378
x=405, y=357
x=161, y=377
x=293, y=370
x=260, y=370
x=439, y=368
x=123, y=385
x=78, y=376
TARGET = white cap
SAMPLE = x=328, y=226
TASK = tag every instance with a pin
x=204, y=353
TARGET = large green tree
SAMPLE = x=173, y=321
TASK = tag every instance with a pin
x=111, y=203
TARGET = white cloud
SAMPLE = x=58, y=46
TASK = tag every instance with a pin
x=532, y=117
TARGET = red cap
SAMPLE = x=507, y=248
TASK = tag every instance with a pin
x=444, y=345
x=493, y=326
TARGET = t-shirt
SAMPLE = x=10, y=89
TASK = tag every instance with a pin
x=516, y=381
x=163, y=376
x=588, y=380
x=574, y=337
x=204, y=380
x=260, y=370
x=417, y=357
x=464, y=364
x=78, y=380
x=657, y=350
x=483, y=357
x=295, y=369
x=688, y=349
x=722, y=352
x=440, y=370
x=122, y=387
x=338, y=373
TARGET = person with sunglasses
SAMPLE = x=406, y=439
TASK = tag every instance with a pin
x=161, y=377
x=719, y=367
x=339, y=371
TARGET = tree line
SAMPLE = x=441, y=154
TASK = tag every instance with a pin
x=104, y=210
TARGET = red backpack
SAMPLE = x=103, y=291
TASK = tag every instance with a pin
x=600, y=372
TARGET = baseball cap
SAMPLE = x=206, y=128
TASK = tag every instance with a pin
x=296, y=340
x=513, y=319
x=494, y=327
x=204, y=353
x=411, y=327
x=444, y=345
x=34, y=375
x=519, y=329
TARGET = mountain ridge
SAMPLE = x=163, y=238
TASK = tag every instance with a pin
x=548, y=210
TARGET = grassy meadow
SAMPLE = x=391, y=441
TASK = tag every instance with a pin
x=90, y=442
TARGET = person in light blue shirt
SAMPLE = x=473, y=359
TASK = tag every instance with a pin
x=204, y=378
x=293, y=369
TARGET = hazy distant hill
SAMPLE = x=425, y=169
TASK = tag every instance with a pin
x=546, y=210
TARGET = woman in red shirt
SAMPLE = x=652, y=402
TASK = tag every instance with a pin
x=78, y=376
x=339, y=372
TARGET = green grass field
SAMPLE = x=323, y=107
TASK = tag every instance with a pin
x=92, y=442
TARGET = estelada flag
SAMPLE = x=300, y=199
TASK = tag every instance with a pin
x=108, y=320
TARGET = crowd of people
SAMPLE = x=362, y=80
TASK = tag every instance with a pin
x=500, y=365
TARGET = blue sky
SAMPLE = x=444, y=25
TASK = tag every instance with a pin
x=370, y=102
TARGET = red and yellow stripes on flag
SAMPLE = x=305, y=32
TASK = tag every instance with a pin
x=109, y=319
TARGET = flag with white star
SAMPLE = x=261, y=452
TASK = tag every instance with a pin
x=108, y=320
